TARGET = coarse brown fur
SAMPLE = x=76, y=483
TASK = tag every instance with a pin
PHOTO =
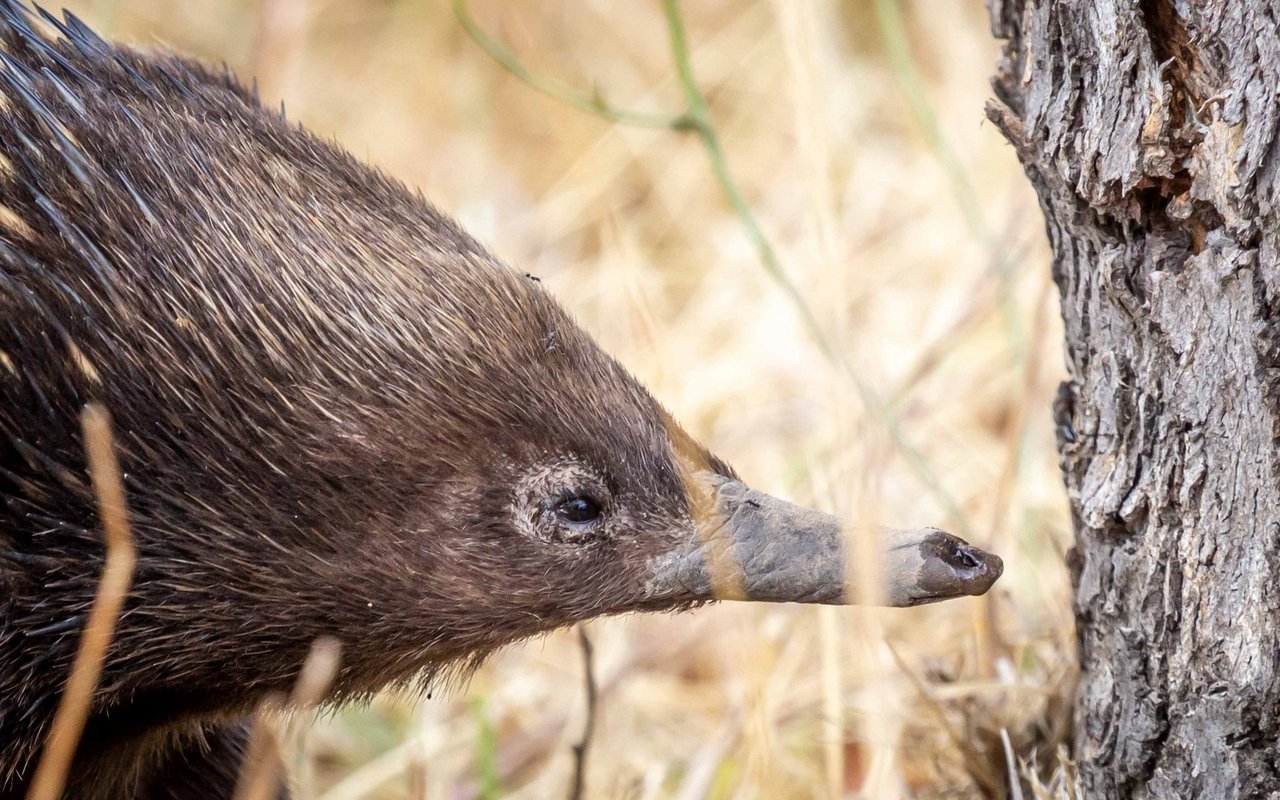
x=336, y=412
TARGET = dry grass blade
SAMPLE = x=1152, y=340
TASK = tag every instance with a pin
x=978, y=771
x=113, y=587
x=588, y=727
x=701, y=775
x=416, y=766
x=893, y=34
x=260, y=773
x=1011, y=764
x=832, y=694
x=318, y=673
x=1064, y=784
x=369, y=776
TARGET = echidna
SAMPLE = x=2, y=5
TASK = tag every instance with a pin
x=336, y=414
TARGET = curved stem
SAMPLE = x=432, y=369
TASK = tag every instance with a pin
x=697, y=119
x=592, y=103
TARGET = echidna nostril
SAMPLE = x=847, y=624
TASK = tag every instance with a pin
x=965, y=558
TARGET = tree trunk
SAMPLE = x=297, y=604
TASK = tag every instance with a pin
x=1149, y=130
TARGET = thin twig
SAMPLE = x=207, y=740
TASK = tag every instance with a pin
x=113, y=587
x=588, y=727
x=260, y=771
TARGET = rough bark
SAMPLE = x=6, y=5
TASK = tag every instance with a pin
x=1149, y=130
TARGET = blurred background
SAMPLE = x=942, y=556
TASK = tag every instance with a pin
x=910, y=242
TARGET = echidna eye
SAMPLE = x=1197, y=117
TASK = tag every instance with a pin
x=578, y=510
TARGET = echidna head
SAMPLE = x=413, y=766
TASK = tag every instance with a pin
x=336, y=412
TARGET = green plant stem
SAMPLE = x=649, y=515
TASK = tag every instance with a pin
x=701, y=124
x=697, y=119
x=590, y=103
x=488, y=776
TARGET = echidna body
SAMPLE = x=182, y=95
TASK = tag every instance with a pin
x=337, y=415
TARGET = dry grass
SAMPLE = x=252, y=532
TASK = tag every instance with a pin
x=49, y=779
x=909, y=228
